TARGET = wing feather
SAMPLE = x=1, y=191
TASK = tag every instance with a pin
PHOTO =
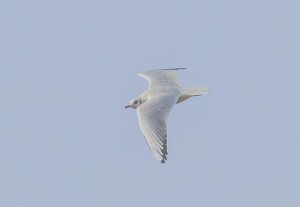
x=161, y=78
x=152, y=116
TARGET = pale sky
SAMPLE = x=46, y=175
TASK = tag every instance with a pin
x=68, y=68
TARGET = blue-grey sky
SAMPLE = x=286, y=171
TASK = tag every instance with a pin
x=68, y=68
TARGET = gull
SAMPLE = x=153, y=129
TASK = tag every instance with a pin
x=154, y=105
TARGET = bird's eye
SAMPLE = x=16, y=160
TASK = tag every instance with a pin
x=135, y=102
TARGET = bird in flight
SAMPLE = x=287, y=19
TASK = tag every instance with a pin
x=154, y=105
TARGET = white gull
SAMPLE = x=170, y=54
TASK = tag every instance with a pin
x=154, y=105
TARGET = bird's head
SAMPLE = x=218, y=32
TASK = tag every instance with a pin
x=134, y=103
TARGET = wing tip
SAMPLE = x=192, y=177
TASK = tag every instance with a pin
x=142, y=74
x=173, y=69
x=164, y=151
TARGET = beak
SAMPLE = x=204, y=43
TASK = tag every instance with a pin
x=127, y=106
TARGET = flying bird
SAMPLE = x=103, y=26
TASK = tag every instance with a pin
x=154, y=105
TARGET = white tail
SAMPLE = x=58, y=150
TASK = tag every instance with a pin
x=189, y=92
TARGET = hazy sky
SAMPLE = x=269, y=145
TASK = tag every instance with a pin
x=68, y=68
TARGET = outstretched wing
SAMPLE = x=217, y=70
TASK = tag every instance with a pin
x=161, y=78
x=152, y=116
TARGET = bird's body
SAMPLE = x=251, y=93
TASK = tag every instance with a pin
x=154, y=105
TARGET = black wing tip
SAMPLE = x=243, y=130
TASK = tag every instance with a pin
x=173, y=69
x=164, y=151
x=163, y=161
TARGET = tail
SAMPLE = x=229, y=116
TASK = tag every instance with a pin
x=189, y=92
